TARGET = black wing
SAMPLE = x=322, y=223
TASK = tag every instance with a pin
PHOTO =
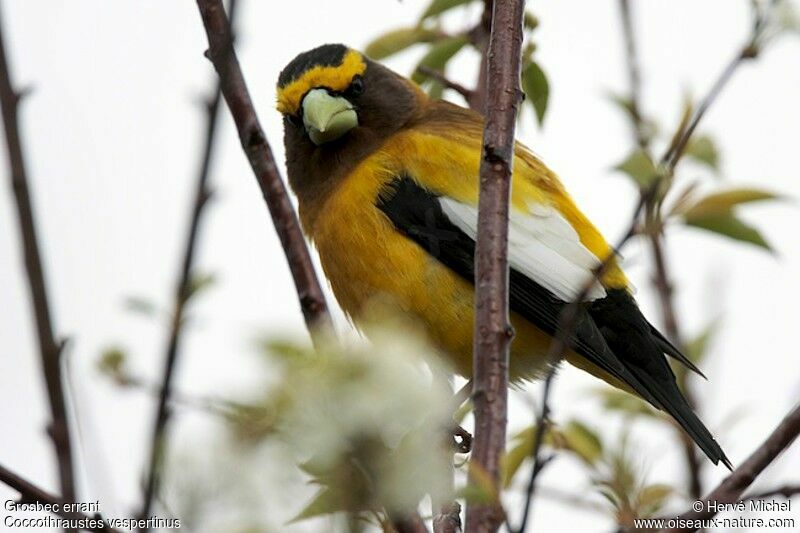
x=610, y=332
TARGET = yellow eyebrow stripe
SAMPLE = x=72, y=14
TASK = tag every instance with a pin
x=336, y=78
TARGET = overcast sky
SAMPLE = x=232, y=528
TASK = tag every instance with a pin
x=112, y=134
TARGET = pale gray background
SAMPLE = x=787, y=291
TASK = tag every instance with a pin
x=112, y=133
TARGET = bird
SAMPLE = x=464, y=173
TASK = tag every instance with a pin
x=387, y=182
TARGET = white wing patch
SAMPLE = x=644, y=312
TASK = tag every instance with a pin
x=542, y=245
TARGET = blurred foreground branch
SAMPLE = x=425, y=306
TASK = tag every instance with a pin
x=259, y=154
x=493, y=332
x=49, y=348
x=733, y=486
x=182, y=294
x=30, y=493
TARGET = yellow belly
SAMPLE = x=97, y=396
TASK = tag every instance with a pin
x=374, y=270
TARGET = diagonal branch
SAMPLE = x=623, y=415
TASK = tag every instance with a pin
x=30, y=493
x=182, y=295
x=567, y=321
x=493, y=332
x=259, y=154
x=49, y=348
x=733, y=486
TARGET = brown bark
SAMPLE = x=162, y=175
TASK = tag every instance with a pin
x=259, y=154
x=733, y=486
x=49, y=348
x=493, y=332
x=30, y=493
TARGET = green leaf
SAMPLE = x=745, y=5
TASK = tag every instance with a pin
x=537, y=89
x=625, y=403
x=398, y=40
x=703, y=149
x=199, y=283
x=112, y=361
x=624, y=103
x=138, y=304
x=438, y=55
x=652, y=498
x=435, y=90
x=640, y=167
x=582, y=441
x=326, y=501
x=721, y=203
x=531, y=21
x=437, y=7
x=729, y=225
x=474, y=494
x=515, y=456
x=697, y=347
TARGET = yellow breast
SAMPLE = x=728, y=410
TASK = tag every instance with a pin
x=373, y=269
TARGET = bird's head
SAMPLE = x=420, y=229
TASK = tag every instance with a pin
x=338, y=106
x=331, y=92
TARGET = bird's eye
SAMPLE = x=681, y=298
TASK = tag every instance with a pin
x=357, y=85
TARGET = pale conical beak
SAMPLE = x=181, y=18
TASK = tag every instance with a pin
x=327, y=117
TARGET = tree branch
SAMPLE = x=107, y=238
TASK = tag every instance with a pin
x=732, y=487
x=448, y=520
x=30, y=493
x=634, y=77
x=787, y=491
x=412, y=523
x=446, y=82
x=259, y=154
x=49, y=349
x=493, y=332
x=182, y=294
x=479, y=36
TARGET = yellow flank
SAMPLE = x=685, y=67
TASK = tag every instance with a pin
x=373, y=269
x=337, y=78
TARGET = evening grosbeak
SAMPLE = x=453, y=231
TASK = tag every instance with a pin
x=387, y=184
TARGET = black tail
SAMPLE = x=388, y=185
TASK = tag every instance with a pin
x=641, y=350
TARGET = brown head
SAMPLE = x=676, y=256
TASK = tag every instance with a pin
x=338, y=106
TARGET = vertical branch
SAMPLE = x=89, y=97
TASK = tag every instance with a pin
x=259, y=154
x=493, y=332
x=183, y=291
x=480, y=39
x=49, y=348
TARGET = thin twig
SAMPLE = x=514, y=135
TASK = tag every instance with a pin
x=732, y=487
x=749, y=50
x=558, y=347
x=634, y=77
x=182, y=295
x=448, y=520
x=411, y=523
x=259, y=154
x=446, y=82
x=493, y=332
x=30, y=493
x=662, y=279
x=49, y=348
x=479, y=36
